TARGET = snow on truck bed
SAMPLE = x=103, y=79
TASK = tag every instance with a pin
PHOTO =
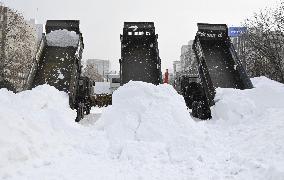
x=62, y=38
x=146, y=134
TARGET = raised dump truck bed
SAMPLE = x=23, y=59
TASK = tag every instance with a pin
x=140, y=59
x=56, y=67
x=70, y=25
x=59, y=64
x=218, y=66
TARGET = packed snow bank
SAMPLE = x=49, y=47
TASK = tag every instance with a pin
x=238, y=105
x=250, y=124
x=146, y=134
x=149, y=127
x=147, y=117
x=62, y=38
x=33, y=123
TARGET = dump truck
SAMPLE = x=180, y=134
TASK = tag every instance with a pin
x=185, y=85
x=59, y=65
x=218, y=66
x=140, y=59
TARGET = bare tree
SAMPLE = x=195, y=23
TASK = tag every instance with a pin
x=264, y=54
x=91, y=71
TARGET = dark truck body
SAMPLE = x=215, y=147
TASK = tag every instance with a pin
x=218, y=66
x=83, y=101
x=61, y=66
x=140, y=59
x=185, y=84
x=56, y=67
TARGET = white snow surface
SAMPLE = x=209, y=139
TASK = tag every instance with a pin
x=146, y=134
x=62, y=38
x=102, y=88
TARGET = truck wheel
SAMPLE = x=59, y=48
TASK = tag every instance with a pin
x=80, y=112
x=88, y=110
x=201, y=110
x=195, y=109
x=188, y=102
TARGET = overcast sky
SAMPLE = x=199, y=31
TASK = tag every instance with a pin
x=175, y=20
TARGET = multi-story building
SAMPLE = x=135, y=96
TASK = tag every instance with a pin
x=39, y=29
x=187, y=60
x=171, y=78
x=176, y=68
x=102, y=66
x=186, y=65
x=184, y=57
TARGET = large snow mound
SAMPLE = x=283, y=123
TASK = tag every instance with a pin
x=147, y=123
x=149, y=127
x=146, y=134
x=33, y=123
x=62, y=38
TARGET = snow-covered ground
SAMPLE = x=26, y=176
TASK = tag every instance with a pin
x=62, y=38
x=146, y=134
x=102, y=88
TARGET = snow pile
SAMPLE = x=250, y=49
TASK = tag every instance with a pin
x=147, y=118
x=149, y=129
x=62, y=38
x=146, y=134
x=250, y=125
x=33, y=123
x=235, y=106
x=152, y=134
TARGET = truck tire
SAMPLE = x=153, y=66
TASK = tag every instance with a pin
x=196, y=109
x=88, y=109
x=80, y=112
x=201, y=110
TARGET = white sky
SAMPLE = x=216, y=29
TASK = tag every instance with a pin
x=175, y=20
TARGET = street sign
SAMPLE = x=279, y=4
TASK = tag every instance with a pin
x=236, y=31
